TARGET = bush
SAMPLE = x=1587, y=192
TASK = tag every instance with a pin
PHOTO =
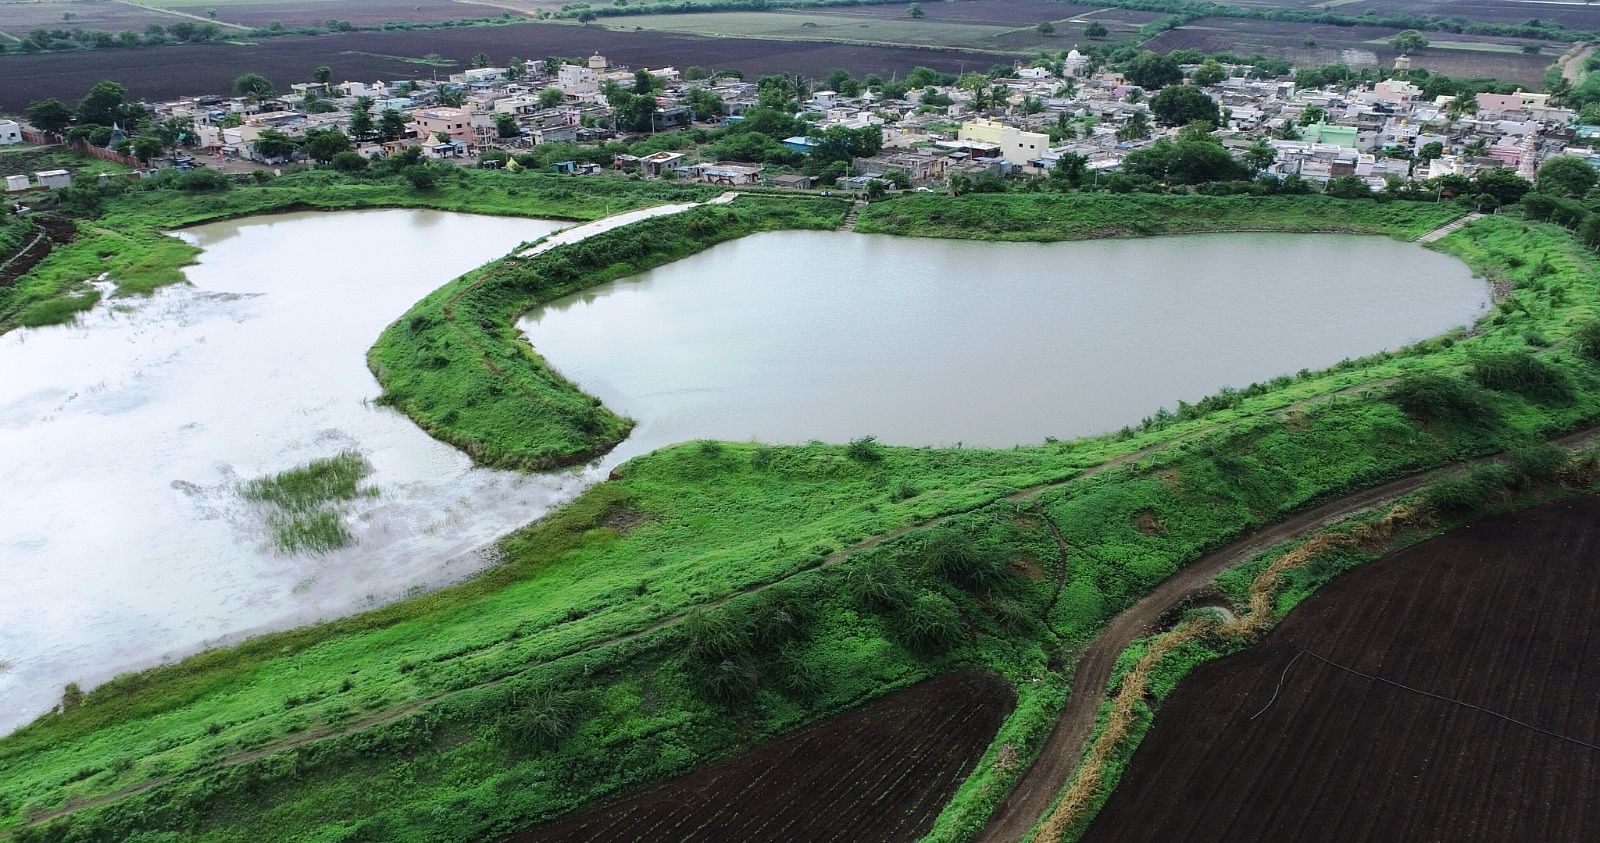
x=1537, y=461
x=1586, y=341
x=864, y=449
x=1442, y=399
x=1466, y=492
x=349, y=162
x=877, y=586
x=961, y=561
x=203, y=181
x=931, y=624
x=716, y=635
x=1523, y=373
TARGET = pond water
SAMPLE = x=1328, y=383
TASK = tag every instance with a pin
x=124, y=439
x=793, y=336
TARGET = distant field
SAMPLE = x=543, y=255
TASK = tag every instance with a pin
x=149, y=73
x=1361, y=46
x=808, y=26
x=1004, y=12
x=315, y=12
x=19, y=17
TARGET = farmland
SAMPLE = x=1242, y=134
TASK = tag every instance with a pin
x=147, y=73
x=909, y=750
x=1490, y=621
x=19, y=17
x=294, y=13
x=1362, y=46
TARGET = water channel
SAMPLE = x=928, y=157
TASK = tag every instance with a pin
x=124, y=438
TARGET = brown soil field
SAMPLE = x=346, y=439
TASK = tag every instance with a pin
x=880, y=772
x=211, y=68
x=1003, y=12
x=359, y=12
x=19, y=17
x=1382, y=708
x=1566, y=12
x=1359, y=46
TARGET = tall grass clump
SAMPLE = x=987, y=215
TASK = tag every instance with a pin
x=306, y=504
x=1442, y=399
x=1586, y=340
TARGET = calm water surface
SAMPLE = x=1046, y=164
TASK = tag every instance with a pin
x=124, y=439
x=793, y=336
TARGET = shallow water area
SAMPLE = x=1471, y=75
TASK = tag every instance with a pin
x=124, y=438
x=798, y=335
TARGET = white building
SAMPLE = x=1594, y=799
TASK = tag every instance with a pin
x=53, y=178
x=15, y=184
x=10, y=132
x=574, y=80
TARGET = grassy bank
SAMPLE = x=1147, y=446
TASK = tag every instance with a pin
x=719, y=593
x=128, y=240
x=1047, y=217
x=457, y=364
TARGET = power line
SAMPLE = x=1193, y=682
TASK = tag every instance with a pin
x=1404, y=687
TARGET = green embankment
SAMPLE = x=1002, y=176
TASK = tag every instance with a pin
x=1046, y=217
x=457, y=365
x=128, y=241
x=604, y=651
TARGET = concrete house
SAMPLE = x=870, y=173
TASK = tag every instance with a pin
x=10, y=132
x=52, y=179
x=1017, y=147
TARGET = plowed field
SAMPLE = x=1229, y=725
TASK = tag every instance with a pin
x=1446, y=692
x=881, y=772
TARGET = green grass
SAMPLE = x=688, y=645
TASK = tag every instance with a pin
x=1047, y=217
x=427, y=713
x=129, y=242
x=306, y=504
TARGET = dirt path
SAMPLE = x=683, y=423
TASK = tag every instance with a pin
x=1571, y=62
x=1448, y=228
x=1050, y=772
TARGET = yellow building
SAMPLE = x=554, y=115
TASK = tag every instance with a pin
x=1017, y=147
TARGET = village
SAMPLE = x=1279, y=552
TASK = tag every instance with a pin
x=944, y=131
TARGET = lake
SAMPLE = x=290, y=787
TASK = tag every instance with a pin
x=800, y=335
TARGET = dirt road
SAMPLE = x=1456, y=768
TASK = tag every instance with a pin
x=1063, y=749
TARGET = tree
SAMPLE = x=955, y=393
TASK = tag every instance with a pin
x=1180, y=105
x=1136, y=127
x=1068, y=172
x=586, y=18
x=322, y=75
x=915, y=10
x=349, y=162
x=323, y=145
x=480, y=60
x=392, y=124
x=1188, y=160
x=1347, y=187
x=421, y=176
x=1566, y=176
x=1095, y=30
x=453, y=97
x=506, y=126
x=253, y=86
x=146, y=147
x=1260, y=156
x=1148, y=70
x=1045, y=28
x=1408, y=41
x=1431, y=150
x=1313, y=114
x=1209, y=73
x=643, y=82
x=273, y=145
x=515, y=68
x=103, y=105
x=551, y=97
x=361, y=123
x=1504, y=186
x=49, y=115
x=837, y=143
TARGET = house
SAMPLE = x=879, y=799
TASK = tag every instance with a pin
x=1017, y=147
x=52, y=179
x=16, y=183
x=795, y=182
x=800, y=144
x=576, y=80
x=455, y=123
x=1324, y=133
x=656, y=164
x=444, y=149
x=10, y=132
x=725, y=173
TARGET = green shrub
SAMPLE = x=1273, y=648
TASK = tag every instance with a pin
x=1442, y=399
x=931, y=624
x=877, y=586
x=864, y=449
x=1537, y=461
x=539, y=719
x=1586, y=340
x=1467, y=491
x=959, y=560
x=1523, y=373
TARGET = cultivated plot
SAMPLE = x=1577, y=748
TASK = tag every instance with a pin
x=1480, y=723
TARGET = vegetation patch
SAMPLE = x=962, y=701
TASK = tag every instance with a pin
x=305, y=505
